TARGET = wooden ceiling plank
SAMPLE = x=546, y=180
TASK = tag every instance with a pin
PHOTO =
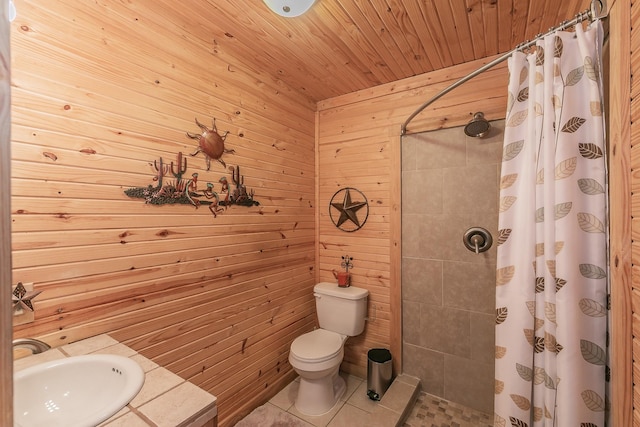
x=450, y=30
x=490, y=18
x=312, y=35
x=551, y=18
x=566, y=11
x=333, y=20
x=505, y=14
x=416, y=16
x=519, y=21
x=368, y=53
x=284, y=42
x=570, y=8
x=372, y=13
x=372, y=36
x=337, y=55
x=555, y=13
x=260, y=31
x=437, y=32
x=409, y=44
x=459, y=11
x=534, y=18
x=474, y=15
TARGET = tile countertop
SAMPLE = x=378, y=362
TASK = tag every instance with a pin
x=165, y=400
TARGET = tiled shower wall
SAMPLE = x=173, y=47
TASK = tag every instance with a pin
x=450, y=184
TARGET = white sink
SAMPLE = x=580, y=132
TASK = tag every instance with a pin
x=76, y=391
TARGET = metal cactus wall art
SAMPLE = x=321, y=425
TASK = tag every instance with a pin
x=184, y=190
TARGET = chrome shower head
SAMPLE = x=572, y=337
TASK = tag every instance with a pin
x=478, y=127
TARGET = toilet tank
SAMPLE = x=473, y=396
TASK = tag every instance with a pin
x=341, y=310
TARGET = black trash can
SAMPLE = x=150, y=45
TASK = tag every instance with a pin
x=379, y=372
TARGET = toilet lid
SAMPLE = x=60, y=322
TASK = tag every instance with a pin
x=317, y=346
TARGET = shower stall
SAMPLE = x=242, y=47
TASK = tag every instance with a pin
x=450, y=189
x=450, y=184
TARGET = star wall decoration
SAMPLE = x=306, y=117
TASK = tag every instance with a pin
x=22, y=298
x=351, y=215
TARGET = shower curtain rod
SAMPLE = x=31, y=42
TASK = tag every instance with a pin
x=598, y=10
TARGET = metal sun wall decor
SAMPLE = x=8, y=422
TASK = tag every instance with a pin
x=350, y=215
x=211, y=143
x=185, y=190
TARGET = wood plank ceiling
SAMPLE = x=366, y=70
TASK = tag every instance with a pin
x=341, y=46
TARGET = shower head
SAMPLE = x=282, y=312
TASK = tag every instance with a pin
x=478, y=127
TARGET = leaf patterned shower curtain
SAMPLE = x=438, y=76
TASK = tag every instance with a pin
x=551, y=281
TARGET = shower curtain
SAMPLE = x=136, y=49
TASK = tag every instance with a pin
x=551, y=278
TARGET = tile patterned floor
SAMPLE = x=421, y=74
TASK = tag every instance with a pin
x=353, y=405
x=432, y=411
x=428, y=411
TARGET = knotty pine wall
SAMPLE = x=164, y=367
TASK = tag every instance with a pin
x=101, y=90
x=625, y=210
x=359, y=146
x=6, y=386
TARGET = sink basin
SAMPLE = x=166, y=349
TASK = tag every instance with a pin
x=76, y=391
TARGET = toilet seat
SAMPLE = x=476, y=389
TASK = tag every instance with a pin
x=317, y=346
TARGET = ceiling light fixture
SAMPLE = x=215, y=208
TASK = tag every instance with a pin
x=289, y=8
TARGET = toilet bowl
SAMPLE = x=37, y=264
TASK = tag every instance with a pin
x=316, y=358
x=316, y=355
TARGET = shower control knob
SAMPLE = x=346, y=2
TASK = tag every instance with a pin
x=477, y=239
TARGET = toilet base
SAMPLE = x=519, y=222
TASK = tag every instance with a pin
x=319, y=396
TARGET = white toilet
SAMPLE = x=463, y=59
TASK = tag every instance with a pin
x=316, y=355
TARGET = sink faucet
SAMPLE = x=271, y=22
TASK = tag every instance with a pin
x=36, y=346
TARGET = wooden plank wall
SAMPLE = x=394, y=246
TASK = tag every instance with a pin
x=624, y=348
x=358, y=146
x=6, y=359
x=628, y=15
x=101, y=90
